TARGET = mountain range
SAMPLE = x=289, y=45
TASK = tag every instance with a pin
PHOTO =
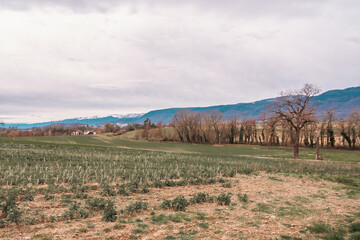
x=342, y=101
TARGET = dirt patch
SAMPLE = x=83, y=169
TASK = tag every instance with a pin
x=277, y=205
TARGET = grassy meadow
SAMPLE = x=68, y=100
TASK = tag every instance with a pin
x=102, y=187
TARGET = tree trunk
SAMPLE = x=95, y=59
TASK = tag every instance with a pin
x=318, y=147
x=296, y=143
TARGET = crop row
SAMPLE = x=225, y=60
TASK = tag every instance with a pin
x=22, y=164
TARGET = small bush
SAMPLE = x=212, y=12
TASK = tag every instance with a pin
x=199, y=198
x=14, y=214
x=196, y=181
x=243, y=198
x=221, y=180
x=30, y=220
x=81, y=195
x=75, y=212
x=96, y=204
x=335, y=234
x=145, y=189
x=109, y=213
x=354, y=227
x=319, y=227
x=182, y=182
x=224, y=199
x=122, y=191
x=10, y=201
x=179, y=203
x=135, y=207
x=169, y=183
x=166, y=204
x=226, y=185
x=158, y=184
x=108, y=191
x=29, y=196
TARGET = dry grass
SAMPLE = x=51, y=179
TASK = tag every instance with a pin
x=278, y=205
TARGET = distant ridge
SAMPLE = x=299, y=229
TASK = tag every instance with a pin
x=343, y=102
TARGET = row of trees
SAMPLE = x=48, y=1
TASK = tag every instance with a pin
x=290, y=120
x=57, y=129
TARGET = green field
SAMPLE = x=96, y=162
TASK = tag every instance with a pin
x=107, y=159
x=226, y=150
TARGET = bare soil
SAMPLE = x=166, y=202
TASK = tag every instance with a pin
x=278, y=205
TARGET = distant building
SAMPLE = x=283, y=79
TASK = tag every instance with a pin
x=77, y=132
x=89, y=133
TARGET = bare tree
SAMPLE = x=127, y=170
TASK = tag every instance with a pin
x=179, y=124
x=294, y=107
x=232, y=128
x=216, y=118
x=109, y=127
x=354, y=126
x=249, y=130
x=329, y=118
x=187, y=125
x=269, y=122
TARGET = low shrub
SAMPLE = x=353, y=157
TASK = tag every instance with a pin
x=319, y=227
x=122, y=191
x=75, y=212
x=354, y=227
x=108, y=191
x=158, y=184
x=243, y=197
x=199, y=198
x=109, y=213
x=166, y=204
x=14, y=214
x=96, y=204
x=224, y=199
x=179, y=203
x=145, y=189
x=135, y=207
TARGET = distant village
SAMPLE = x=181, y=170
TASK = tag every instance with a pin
x=60, y=129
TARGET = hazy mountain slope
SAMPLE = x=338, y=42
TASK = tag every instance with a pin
x=343, y=102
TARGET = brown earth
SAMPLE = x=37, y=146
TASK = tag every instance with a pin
x=278, y=205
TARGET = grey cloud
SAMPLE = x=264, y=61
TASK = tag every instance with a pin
x=77, y=6
x=154, y=54
x=244, y=8
x=355, y=40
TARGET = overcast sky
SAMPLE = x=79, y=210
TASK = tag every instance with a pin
x=78, y=58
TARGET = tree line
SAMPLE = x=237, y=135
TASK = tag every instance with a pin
x=55, y=129
x=291, y=120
